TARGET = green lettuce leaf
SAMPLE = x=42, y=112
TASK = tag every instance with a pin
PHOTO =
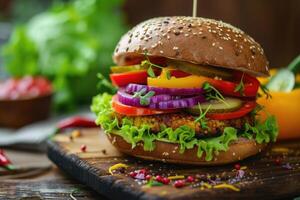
x=263, y=132
x=184, y=136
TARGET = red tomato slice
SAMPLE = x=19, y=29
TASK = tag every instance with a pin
x=139, y=77
x=251, y=85
x=245, y=109
x=123, y=79
x=136, y=111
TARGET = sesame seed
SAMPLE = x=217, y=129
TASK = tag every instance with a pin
x=186, y=35
x=221, y=48
x=161, y=52
x=175, y=48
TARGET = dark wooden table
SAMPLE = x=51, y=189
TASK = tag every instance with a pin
x=38, y=178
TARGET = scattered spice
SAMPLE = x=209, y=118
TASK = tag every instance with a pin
x=228, y=186
x=190, y=179
x=165, y=181
x=117, y=166
x=132, y=174
x=139, y=174
x=176, y=177
x=280, y=150
x=5, y=162
x=152, y=183
x=159, y=178
x=240, y=174
x=83, y=148
x=277, y=161
x=104, y=151
x=148, y=177
x=237, y=166
x=287, y=166
x=75, y=134
x=179, y=183
x=205, y=185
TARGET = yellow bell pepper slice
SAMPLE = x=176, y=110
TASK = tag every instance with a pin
x=192, y=81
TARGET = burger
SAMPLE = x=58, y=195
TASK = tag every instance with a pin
x=187, y=91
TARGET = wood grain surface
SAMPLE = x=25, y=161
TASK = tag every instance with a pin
x=36, y=177
x=274, y=174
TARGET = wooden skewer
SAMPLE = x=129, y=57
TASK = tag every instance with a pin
x=194, y=8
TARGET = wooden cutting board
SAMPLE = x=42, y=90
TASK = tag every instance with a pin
x=274, y=174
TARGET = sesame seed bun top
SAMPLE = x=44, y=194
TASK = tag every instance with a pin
x=196, y=40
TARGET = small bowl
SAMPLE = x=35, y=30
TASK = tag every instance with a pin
x=18, y=113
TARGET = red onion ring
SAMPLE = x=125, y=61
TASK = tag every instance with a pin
x=132, y=88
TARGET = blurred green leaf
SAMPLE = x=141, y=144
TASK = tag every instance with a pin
x=69, y=44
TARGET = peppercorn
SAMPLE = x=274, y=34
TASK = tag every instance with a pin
x=143, y=171
x=148, y=177
x=237, y=166
x=159, y=178
x=83, y=148
x=190, y=179
x=179, y=184
x=165, y=181
x=132, y=174
x=277, y=161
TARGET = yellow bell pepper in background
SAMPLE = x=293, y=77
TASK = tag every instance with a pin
x=286, y=107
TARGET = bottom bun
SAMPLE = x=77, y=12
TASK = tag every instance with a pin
x=169, y=152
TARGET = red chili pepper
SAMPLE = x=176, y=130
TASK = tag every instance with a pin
x=5, y=162
x=76, y=122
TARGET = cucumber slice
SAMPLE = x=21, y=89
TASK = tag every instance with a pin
x=201, y=70
x=283, y=80
x=130, y=68
x=229, y=104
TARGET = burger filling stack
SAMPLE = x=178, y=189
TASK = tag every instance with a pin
x=187, y=91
